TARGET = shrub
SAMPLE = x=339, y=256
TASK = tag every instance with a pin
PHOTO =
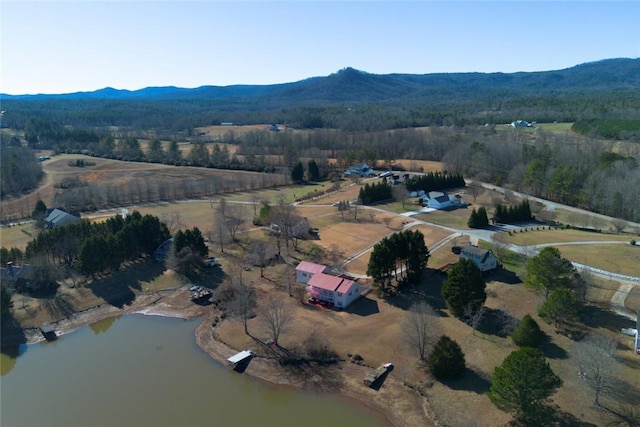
x=446, y=360
x=528, y=333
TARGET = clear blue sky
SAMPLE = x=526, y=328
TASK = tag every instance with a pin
x=83, y=45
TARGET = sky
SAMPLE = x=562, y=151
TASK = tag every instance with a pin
x=84, y=45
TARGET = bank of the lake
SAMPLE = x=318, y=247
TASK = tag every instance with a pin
x=397, y=404
x=148, y=371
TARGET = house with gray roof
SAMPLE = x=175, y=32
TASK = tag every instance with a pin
x=58, y=217
x=482, y=258
x=441, y=200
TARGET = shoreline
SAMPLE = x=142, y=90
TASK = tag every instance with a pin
x=397, y=406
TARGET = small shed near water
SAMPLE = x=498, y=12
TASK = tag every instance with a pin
x=48, y=331
x=240, y=358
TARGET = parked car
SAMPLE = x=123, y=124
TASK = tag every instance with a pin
x=211, y=262
x=456, y=250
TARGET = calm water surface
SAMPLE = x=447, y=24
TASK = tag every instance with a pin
x=147, y=371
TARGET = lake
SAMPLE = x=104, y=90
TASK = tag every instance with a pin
x=148, y=371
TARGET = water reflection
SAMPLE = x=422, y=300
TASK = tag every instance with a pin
x=148, y=371
x=103, y=325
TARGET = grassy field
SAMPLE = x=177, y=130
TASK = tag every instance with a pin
x=373, y=327
x=547, y=127
x=18, y=236
x=621, y=258
x=537, y=237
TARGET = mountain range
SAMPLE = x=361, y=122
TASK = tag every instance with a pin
x=354, y=86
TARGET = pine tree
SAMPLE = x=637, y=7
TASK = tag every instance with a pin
x=446, y=360
x=522, y=383
x=297, y=173
x=528, y=333
x=464, y=287
x=473, y=219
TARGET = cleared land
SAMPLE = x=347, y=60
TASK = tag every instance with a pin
x=372, y=327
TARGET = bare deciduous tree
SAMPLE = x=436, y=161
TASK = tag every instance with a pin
x=260, y=254
x=400, y=194
x=619, y=225
x=243, y=299
x=420, y=327
x=475, y=189
x=598, y=367
x=173, y=221
x=499, y=245
x=276, y=315
x=474, y=316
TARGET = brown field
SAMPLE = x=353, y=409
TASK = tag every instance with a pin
x=372, y=327
x=118, y=174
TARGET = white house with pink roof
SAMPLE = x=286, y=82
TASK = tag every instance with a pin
x=335, y=290
x=306, y=269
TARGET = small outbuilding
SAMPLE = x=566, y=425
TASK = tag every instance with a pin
x=240, y=358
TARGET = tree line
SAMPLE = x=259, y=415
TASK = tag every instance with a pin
x=99, y=247
x=376, y=192
x=511, y=214
x=435, y=181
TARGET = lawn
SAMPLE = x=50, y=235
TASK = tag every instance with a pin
x=456, y=219
x=622, y=258
x=18, y=235
x=536, y=237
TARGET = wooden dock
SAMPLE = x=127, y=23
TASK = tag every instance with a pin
x=374, y=376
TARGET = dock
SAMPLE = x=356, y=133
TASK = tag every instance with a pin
x=374, y=376
x=48, y=331
x=239, y=359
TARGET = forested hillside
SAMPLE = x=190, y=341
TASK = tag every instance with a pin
x=355, y=116
x=355, y=100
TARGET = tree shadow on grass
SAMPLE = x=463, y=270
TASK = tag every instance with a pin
x=551, y=350
x=496, y=322
x=118, y=289
x=505, y=276
x=470, y=381
x=428, y=290
x=625, y=393
x=551, y=415
x=624, y=414
x=210, y=277
x=595, y=316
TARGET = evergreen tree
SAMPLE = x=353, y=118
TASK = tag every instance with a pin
x=548, y=271
x=464, y=287
x=522, y=383
x=39, y=210
x=473, y=219
x=483, y=219
x=446, y=360
x=313, y=171
x=560, y=307
x=297, y=173
x=527, y=333
x=5, y=300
